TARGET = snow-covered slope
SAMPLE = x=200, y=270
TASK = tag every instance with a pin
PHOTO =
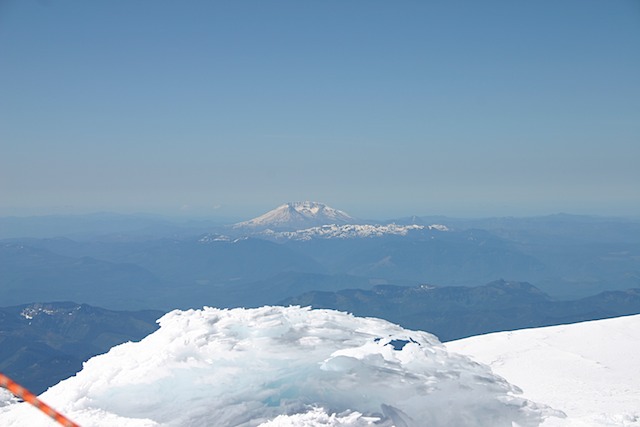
x=276, y=367
x=589, y=370
x=297, y=216
x=6, y=398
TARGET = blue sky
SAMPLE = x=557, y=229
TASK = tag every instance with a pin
x=379, y=108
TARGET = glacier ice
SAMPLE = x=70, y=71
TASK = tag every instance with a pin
x=283, y=366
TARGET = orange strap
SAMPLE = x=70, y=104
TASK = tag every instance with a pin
x=27, y=396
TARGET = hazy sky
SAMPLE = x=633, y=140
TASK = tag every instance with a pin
x=379, y=108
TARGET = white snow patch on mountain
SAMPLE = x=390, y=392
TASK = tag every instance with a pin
x=297, y=215
x=37, y=309
x=438, y=227
x=349, y=231
x=589, y=370
x=210, y=238
x=277, y=367
x=217, y=238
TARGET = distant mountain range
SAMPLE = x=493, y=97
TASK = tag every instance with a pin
x=141, y=262
x=455, y=312
x=349, y=231
x=43, y=343
x=28, y=272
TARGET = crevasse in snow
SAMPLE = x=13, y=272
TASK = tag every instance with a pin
x=277, y=366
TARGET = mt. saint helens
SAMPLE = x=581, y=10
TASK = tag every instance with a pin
x=296, y=216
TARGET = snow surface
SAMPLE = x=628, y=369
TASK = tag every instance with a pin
x=277, y=367
x=589, y=370
x=297, y=215
x=6, y=398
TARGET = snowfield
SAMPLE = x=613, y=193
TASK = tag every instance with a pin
x=589, y=370
x=349, y=231
x=334, y=231
x=276, y=367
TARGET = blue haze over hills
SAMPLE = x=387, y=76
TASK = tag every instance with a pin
x=453, y=277
x=138, y=262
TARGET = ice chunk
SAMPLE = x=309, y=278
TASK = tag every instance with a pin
x=283, y=366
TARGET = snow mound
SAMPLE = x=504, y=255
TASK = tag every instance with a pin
x=297, y=215
x=589, y=370
x=276, y=367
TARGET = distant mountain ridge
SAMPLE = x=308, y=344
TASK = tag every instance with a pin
x=454, y=312
x=43, y=343
x=297, y=216
x=349, y=231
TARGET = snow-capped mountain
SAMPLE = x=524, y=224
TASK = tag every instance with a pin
x=297, y=216
x=313, y=220
x=588, y=370
x=277, y=367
